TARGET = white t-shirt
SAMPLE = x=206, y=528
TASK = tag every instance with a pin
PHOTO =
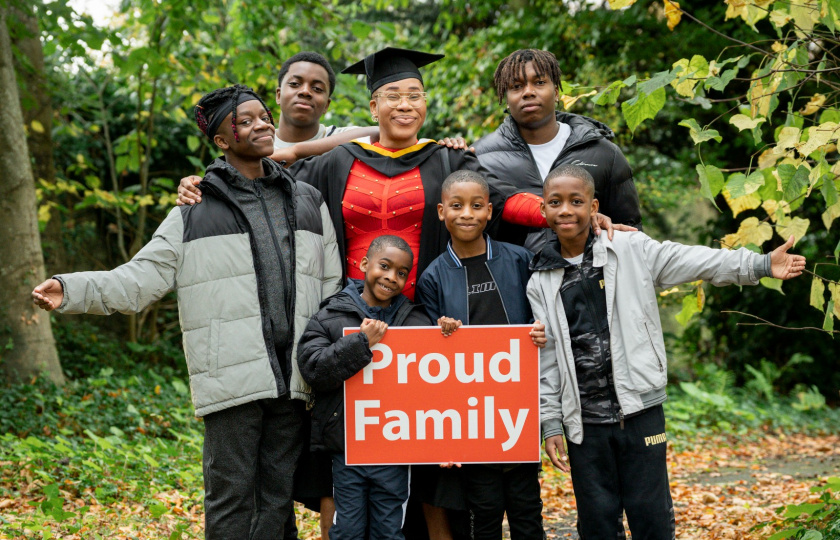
x=545, y=154
x=323, y=131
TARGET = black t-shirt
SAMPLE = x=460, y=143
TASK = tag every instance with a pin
x=482, y=293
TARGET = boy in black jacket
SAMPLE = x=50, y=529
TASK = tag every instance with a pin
x=367, y=498
x=479, y=281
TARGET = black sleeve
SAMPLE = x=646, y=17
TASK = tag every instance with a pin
x=326, y=363
x=622, y=202
x=427, y=293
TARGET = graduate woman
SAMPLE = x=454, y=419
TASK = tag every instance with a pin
x=393, y=186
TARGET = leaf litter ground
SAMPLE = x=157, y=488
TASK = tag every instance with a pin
x=723, y=486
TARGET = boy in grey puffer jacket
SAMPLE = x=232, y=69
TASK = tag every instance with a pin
x=260, y=251
x=603, y=370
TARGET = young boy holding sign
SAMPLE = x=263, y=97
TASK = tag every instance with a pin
x=479, y=281
x=603, y=370
x=367, y=498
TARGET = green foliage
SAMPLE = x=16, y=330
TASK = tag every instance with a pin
x=811, y=521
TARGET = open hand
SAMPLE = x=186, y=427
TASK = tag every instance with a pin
x=48, y=295
x=188, y=192
x=557, y=452
x=784, y=265
x=374, y=330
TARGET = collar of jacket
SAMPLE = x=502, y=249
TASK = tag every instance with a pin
x=354, y=290
x=584, y=129
x=456, y=262
x=220, y=174
x=549, y=258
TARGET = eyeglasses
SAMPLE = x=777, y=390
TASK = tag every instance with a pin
x=394, y=99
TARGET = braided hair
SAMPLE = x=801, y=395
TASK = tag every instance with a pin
x=213, y=107
x=312, y=57
x=513, y=66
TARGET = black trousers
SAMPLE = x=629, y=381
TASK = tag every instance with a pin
x=370, y=500
x=250, y=453
x=616, y=469
x=492, y=490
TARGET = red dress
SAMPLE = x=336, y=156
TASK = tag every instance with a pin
x=375, y=204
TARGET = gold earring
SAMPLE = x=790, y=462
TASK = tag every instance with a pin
x=375, y=117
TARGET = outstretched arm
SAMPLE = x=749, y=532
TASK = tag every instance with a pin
x=303, y=150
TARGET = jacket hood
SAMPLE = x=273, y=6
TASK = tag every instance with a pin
x=584, y=129
x=222, y=171
x=549, y=257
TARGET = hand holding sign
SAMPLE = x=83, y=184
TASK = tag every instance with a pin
x=374, y=330
x=471, y=397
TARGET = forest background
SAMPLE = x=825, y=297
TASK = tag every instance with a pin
x=727, y=111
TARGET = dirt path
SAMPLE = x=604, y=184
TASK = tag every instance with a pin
x=722, y=488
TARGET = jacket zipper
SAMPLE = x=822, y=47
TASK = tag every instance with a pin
x=650, y=338
x=501, y=298
x=259, y=195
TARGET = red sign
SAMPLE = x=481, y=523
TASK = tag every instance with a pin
x=472, y=397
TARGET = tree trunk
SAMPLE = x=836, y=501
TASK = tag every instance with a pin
x=27, y=347
x=36, y=102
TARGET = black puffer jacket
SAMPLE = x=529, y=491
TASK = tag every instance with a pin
x=327, y=358
x=506, y=154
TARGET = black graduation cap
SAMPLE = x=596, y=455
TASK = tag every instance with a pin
x=391, y=64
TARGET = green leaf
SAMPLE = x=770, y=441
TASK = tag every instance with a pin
x=180, y=387
x=361, y=30
x=157, y=510
x=812, y=535
x=193, y=143
x=828, y=322
x=659, y=80
x=689, y=308
x=817, y=293
x=150, y=460
x=828, y=189
x=609, y=95
x=787, y=533
x=642, y=107
x=796, y=510
x=719, y=83
x=711, y=181
x=740, y=185
x=793, y=180
x=699, y=134
x=773, y=284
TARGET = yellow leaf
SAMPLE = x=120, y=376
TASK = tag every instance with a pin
x=741, y=204
x=692, y=71
x=817, y=299
x=792, y=226
x=832, y=213
x=146, y=200
x=735, y=8
x=835, y=295
x=788, y=138
x=196, y=97
x=767, y=159
x=730, y=241
x=819, y=136
x=621, y=4
x=568, y=101
x=701, y=298
x=37, y=126
x=776, y=209
x=752, y=231
x=815, y=105
x=779, y=18
x=157, y=389
x=777, y=46
x=805, y=13
x=44, y=213
x=742, y=121
x=672, y=13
